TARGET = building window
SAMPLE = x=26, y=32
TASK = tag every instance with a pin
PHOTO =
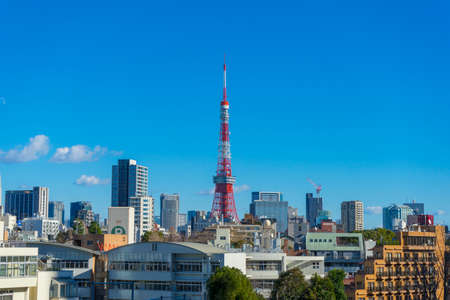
x=188, y=286
x=264, y=284
x=264, y=265
x=188, y=266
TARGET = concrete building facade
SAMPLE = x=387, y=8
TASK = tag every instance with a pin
x=414, y=268
x=341, y=250
x=169, y=209
x=18, y=273
x=46, y=228
x=352, y=215
x=121, y=221
x=143, y=214
x=180, y=270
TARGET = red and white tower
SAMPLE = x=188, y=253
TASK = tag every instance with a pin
x=223, y=206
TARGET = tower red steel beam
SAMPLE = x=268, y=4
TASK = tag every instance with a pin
x=224, y=206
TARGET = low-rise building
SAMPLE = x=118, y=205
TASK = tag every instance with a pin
x=413, y=268
x=169, y=270
x=18, y=273
x=341, y=250
x=65, y=271
x=46, y=228
x=100, y=242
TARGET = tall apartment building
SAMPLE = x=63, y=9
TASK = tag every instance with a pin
x=143, y=214
x=81, y=210
x=411, y=269
x=396, y=216
x=270, y=205
x=56, y=211
x=27, y=203
x=352, y=215
x=169, y=207
x=418, y=208
x=313, y=207
x=128, y=180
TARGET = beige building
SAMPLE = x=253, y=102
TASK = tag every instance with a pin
x=352, y=215
x=412, y=269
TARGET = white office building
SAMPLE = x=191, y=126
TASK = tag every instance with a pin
x=143, y=214
x=46, y=228
x=171, y=270
x=18, y=273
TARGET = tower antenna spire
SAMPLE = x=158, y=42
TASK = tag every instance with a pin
x=224, y=79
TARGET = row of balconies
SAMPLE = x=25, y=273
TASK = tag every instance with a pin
x=404, y=274
x=410, y=259
x=399, y=289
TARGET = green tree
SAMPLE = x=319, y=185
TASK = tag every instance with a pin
x=380, y=235
x=337, y=278
x=94, y=228
x=230, y=284
x=78, y=226
x=290, y=285
x=320, y=289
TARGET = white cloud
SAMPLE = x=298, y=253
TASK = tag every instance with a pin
x=374, y=210
x=90, y=180
x=241, y=188
x=78, y=153
x=237, y=189
x=439, y=212
x=36, y=147
x=206, y=192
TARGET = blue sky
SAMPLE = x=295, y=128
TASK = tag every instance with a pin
x=354, y=95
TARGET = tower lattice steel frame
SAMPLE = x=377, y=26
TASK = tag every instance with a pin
x=224, y=206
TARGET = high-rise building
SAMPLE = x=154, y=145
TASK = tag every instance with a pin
x=270, y=205
x=224, y=207
x=352, y=215
x=395, y=217
x=80, y=209
x=169, y=206
x=56, y=211
x=418, y=208
x=182, y=219
x=27, y=203
x=128, y=180
x=143, y=214
x=313, y=207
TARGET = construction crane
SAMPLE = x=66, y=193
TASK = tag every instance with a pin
x=317, y=187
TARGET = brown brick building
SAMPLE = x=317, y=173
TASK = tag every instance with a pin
x=413, y=269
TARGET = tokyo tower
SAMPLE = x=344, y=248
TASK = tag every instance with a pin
x=223, y=206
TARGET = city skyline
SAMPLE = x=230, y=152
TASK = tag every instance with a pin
x=367, y=124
